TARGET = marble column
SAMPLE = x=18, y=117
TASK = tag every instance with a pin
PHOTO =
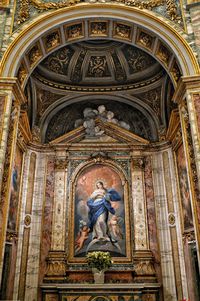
x=56, y=260
x=168, y=276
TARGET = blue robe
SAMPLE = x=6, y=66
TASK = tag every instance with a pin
x=101, y=206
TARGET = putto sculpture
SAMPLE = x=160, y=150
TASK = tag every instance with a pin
x=88, y=121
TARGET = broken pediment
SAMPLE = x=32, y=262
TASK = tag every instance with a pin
x=107, y=133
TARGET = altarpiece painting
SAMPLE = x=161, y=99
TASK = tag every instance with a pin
x=99, y=212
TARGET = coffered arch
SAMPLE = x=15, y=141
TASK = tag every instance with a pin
x=168, y=47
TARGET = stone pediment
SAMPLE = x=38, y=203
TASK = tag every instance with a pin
x=112, y=133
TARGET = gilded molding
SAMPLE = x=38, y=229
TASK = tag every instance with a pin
x=24, y=8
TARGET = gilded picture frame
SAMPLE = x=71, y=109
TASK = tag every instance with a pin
x=82, y=235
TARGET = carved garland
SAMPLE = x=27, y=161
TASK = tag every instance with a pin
x=24, y=14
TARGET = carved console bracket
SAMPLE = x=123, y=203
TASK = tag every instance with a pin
x=144, y=267
x=56, y=267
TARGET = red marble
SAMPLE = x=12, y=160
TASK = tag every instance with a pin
x=151, y=216
x=184, y=189
x=15, y=189
x=47, y=218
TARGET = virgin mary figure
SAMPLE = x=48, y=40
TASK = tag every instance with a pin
x=99, y=209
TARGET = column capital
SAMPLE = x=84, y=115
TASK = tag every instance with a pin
x=138, y=162
x=186, y=83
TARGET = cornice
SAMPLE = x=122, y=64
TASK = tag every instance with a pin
x=12, y=84
x=186, y=83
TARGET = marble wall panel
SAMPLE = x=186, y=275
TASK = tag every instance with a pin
x=59, y=214
x=139, y=210
x=47, y=217
x=184, y=189
x=151, y=217
x=178, y=225
x=15, y=189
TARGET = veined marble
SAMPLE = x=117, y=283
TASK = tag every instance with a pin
x=139, y=209
x=168, y=277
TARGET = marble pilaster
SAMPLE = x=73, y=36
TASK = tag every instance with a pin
x=32, y=276
x=58, y=228
x=139, y=205
x=56, y=260
x=173, y=176
x=168, y=277
x=185, y=96
x=21, y=224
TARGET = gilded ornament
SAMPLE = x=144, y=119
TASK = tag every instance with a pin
x=34, y=55
x=171, y=219
x=98, y=28
x=74, y=31
x=122, y=31
x=145, y=39
x=163, y=54
x=24, y=11
x=52, y=40
x=22, y=74
x=27, y=220
x=98, y=67
x=172, y=9
x=175, y=71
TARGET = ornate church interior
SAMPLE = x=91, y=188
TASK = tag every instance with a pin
x=100, y=150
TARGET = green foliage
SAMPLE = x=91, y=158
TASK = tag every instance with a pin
x=99, y=260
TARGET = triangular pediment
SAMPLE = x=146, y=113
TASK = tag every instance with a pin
x=112, y=133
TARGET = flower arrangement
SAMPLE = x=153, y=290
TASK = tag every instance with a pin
x=99, y=260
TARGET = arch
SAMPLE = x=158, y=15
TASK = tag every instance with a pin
x=63, y=102
x=167, y=34
x=116, y=167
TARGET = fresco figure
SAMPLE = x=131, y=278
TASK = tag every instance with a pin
x=99, y=208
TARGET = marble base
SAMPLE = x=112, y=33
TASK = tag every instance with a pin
x=86, y=292
x=56, y=266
